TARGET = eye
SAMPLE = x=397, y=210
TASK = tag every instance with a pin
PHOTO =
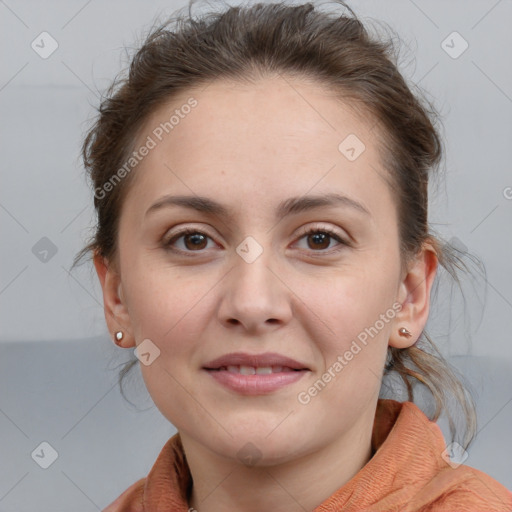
x=193, y=239
x=320, y=238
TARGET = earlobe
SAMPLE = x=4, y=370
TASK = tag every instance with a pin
x=404, y=332
x=414, y=296
x=116, y=314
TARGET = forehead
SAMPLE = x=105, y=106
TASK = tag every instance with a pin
x=278, y=136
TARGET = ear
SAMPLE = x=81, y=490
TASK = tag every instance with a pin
x=116, y=313
x=414, y=296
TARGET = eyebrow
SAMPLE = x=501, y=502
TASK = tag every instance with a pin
x=291, y=206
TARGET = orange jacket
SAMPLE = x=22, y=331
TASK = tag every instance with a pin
x=406, y=473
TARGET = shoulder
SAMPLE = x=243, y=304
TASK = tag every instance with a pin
x=472, y=491
x=130, y=500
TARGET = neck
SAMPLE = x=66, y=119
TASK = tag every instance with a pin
x=297, y=485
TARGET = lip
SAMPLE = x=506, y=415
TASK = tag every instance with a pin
x=255, y=360
x=258, y=384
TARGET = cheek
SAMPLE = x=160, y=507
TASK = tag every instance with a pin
x=170, y=312
x=356, y=315
x=345, y=304
x=162, y=303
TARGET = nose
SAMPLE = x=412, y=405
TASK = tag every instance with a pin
x=255, y=297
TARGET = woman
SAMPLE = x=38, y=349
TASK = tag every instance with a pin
x=261, y=183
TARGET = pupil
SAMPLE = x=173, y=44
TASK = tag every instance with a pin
x=319, y=238
x=196, y=239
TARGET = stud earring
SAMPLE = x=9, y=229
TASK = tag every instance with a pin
x=404, y=332
x=119, y=337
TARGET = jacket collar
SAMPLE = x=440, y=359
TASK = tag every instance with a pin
x=407, y=452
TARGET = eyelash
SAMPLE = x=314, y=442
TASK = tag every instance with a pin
x=310, y=231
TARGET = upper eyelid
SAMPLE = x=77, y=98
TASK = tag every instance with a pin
x=187, y=230
x=319, y=225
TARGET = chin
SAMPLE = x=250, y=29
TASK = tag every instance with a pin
x=261, y=447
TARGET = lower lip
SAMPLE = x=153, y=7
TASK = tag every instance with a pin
x=256, y=384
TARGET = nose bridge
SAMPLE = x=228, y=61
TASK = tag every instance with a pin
x=254, y=294
x=252, y=272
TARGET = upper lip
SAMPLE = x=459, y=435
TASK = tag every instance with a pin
x=254, y=360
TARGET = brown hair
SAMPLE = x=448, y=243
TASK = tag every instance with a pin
x=245, y=43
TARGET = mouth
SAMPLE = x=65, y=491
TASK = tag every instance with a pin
x=255, y=374
x=242, y=362
x=254, y=370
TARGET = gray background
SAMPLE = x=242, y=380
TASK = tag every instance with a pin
x=57, y=363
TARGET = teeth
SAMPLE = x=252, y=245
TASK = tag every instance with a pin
x=264, y=370
x=251, y=370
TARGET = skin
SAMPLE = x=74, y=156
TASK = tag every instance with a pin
x=250, y=146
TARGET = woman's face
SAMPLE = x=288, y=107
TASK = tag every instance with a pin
x=255, y=163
